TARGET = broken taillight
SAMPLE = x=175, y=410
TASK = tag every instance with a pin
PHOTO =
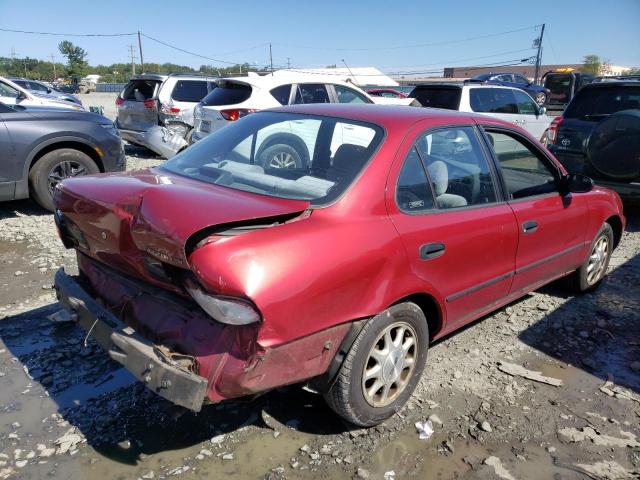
x=234, y=114
x=119, y=101
x=229, y=310
x=168, y=109
x=151, y=104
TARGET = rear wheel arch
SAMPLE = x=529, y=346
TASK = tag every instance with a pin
x=75, y=145
x=616, y=225
x=430, y=308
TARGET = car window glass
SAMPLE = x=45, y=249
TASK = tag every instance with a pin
x=526, y=105
x=520, y=79
x=38, y=87
x=413, y=193
x=227, y=93
x=457, y=167
x=438, y=97
x=281, y=94
x=311, y=93
x=523, y=168
x=189, y=90
x=140, y=90
x=493, y=100
x=505, y=78
x=347, y=95
x=8, y=91
x=593, y=103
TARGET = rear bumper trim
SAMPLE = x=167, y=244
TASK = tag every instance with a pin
x=141, y=357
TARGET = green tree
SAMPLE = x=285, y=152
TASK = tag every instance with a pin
x=76, y=58
x=591, y=64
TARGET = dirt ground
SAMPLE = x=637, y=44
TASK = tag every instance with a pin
x=67, y=411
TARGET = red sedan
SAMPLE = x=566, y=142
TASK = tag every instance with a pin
x=214, y=276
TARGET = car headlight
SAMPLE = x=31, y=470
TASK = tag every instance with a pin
x=233, y=311
x=111, y=128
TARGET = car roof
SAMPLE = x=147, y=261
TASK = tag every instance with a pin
x=387, y=116
x=271, y=81
x=612, y=83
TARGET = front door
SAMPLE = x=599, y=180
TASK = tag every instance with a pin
x=460, y=238
x=551, y=226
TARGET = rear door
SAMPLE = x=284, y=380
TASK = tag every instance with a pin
x=532, y=120
x=496, y=102
x=460, y=236
x=138, y=105
x=551, y=227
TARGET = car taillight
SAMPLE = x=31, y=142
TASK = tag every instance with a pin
x=235, y=113
x=150, y=104
x=168, y=109
x=552, y=131
x=119, y=101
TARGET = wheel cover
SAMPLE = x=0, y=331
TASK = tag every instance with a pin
x=598, y=260
x=282, y=160
x=62, y=170
x=390, y=364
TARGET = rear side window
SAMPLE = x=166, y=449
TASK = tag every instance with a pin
x=438, y=97
x=228, y=93
x=140, y=90
x=413, y=193
x=493, y=100
x=281, y=94
x=311, y=93
x=189, y=90
x=593, y=103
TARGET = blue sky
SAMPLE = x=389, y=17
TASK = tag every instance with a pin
x=396, y=37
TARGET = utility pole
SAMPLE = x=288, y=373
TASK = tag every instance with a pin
x=13, y=53
x=271, y=58
x=141, y=57
x=538, y=55
x=132, y=53
x=288, y=63
x=53, y=60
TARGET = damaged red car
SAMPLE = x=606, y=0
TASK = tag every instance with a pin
x=328, y=244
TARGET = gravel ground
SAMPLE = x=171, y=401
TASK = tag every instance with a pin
x=66, y=411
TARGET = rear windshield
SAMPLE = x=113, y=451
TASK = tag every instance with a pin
x=227, y=93
x=593, y=103
x=285, y=155
x=438, y=97
x=189, y=90
x=140, y=90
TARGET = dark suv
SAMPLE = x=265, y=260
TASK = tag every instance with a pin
x=599, y=135
x=41, y=146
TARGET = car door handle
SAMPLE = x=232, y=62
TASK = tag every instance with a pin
x=529, y=227
x=431, y=250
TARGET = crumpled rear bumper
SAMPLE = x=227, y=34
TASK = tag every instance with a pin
x=162, y=140
x=143, y=359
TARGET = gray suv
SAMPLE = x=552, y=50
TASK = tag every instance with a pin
x=151, y=102
x=41, y=146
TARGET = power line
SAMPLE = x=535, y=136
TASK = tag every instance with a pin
x=68, y=34
x=449, y=62
x=189, y=52
x=403, y=47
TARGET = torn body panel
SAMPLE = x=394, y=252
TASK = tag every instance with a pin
x=227, y=358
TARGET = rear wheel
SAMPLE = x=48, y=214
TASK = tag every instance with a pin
x=592, y=271
x=382, y=367
x=280, y=156
x=52, y=168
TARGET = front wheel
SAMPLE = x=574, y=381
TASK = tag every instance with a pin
x=382, y=367
x=55, y=166
x=592, y=271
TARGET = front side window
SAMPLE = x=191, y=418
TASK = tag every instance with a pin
x=347, y=95
x=457, y=167
x=38, y=87
x=413, y=193
x=524, y=168
x=8, y=91
x=189, y=90
x=493, y=100
x=284, y=155
x=311, y=93
x=526, y=105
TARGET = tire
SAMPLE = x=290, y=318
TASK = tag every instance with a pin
x=52, y=168
x=348, y=396
x=280, y=155
x=541, y=98
x=583, y=280
x=189, y=137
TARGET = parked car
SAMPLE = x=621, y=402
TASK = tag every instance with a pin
x=599, y=134
x=563, y=84
x=506, y=103
x=339, y=273
x=43, y=145
x=40, y=88
x=234, y=98
x=149, y=102
x=538, y=93
x=13, y=94
x=386, y=92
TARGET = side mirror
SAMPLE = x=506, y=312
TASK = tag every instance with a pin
x=577, y=183
x=21, y=96
x=49, y=90
x=542, y=110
